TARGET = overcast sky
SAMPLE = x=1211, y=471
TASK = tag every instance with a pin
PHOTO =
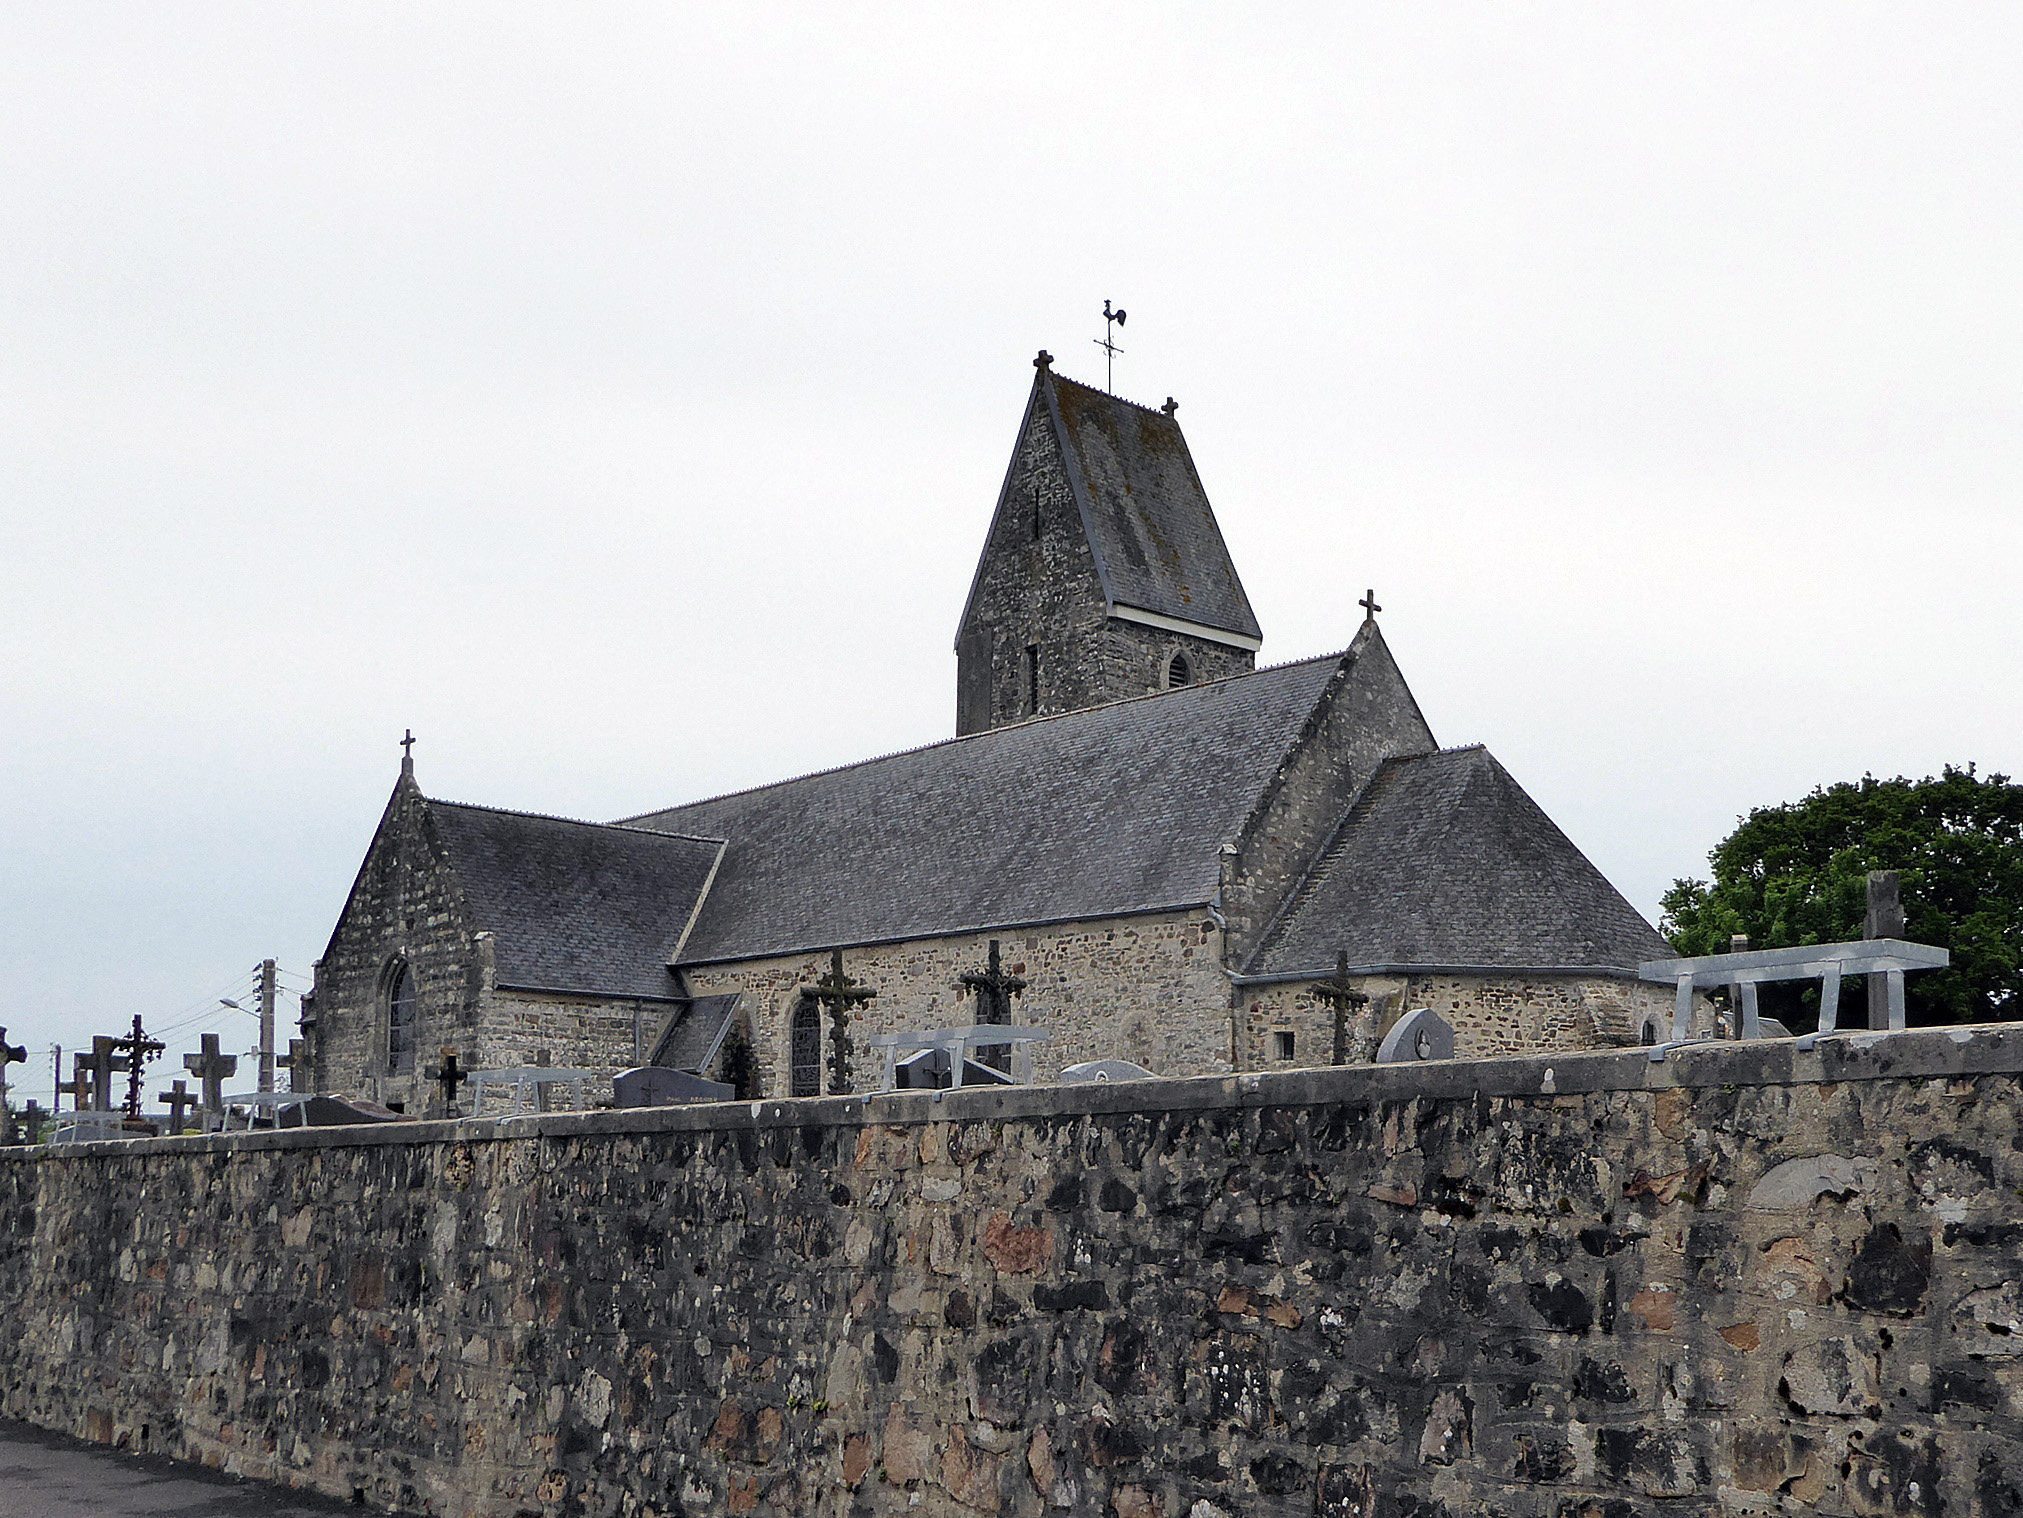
x=618, y=396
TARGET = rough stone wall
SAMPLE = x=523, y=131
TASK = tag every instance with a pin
x=606, y=1034
x=1490, y=1015
x=405, y=904
x=1148, y=989
x=1748, y=1280
x=1041, y=588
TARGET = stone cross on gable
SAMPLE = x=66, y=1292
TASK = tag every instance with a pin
x=296, y=1063
x=1369, y=605
x=994, y=990
x=211, y=1068
x=178, y=1100
x=839, y=993
x=1343, y=995
x=449, y=1077
x=137, y=1049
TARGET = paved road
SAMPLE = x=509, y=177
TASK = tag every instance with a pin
x=45, y=1475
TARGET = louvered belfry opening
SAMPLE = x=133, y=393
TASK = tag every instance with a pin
x=1177, y=673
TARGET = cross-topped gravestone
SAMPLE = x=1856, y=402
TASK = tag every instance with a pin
x=296, y=1063
x=103, y=1063
x=211, y=1068
x=137, y=1049
x=33, y=1121
x=449, y=1077
x=10, y=1054
x=178, y=1099
x=1343, y=996
x=994, y=990
x=1884, y=919
x=78, y=1087
x=839, y=993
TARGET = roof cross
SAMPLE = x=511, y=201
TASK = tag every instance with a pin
x=1370, y=606
x=407, y=745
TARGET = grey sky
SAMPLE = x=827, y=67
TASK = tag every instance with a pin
x=618, y=395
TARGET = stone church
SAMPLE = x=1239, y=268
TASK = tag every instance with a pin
x=1171, y=846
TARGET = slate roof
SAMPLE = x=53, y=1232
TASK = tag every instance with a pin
x=695, y=1033
x=1155, y=540
x=1103, y=812
x=576, y=906
x=1444, y=860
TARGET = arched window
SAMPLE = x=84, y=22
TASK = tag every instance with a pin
x=807, y=1048
x=1177, y=673
x=400, y=1000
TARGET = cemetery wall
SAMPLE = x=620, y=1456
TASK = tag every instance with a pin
x=1748, y=1279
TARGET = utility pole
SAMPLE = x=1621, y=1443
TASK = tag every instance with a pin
x=266, y=1025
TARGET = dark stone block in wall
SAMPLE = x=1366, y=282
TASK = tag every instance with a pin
x=1071, y=1296
x=1562, y=1304
x=1888, y=1274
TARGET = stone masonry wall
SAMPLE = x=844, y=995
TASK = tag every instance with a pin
x=1148, y=989
x=1750, y=1279
x=1490, y=1015
x=405, y=905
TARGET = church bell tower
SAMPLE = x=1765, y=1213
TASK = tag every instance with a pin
x=1104, y=575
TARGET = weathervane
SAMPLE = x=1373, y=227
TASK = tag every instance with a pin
x=1110, y=349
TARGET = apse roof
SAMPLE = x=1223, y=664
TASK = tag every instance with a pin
x=1445, y=861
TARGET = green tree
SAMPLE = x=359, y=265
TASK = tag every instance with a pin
x=1797, y=874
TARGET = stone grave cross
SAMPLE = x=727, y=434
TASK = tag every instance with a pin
x=178, y=1100
x=1884, y=919
x=296, y=1063
x=138, y=1050
x=994, y=990
x=102, y=1064
x=78, y=1087
x=10, y=1054
x=1342, y=995
x=839, y=993
x=449, y=1077
x=211, y=1068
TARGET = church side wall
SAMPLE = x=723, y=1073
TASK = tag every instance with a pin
x=1490, y=1015
x=1148, y=989
x=602, y=1033
x=1747, y=1280
x=405, y=905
